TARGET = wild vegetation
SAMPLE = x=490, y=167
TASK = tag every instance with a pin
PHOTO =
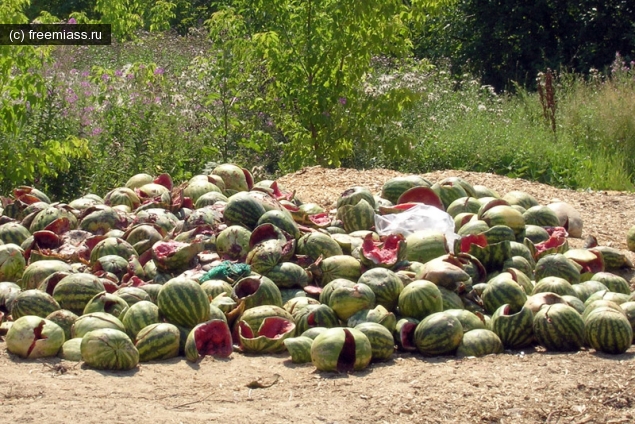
x=228, y=83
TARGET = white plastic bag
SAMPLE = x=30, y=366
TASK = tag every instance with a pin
x=417, y=218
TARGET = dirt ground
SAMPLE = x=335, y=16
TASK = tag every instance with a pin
x=515, y=387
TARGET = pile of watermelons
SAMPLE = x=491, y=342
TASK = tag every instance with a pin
x=221, y=264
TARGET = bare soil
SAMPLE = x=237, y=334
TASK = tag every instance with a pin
x=514, y=387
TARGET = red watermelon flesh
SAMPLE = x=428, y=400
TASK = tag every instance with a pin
x=213, y=339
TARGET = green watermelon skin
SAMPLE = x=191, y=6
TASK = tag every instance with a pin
x=109, y=349
x=13, y=232
x=420, y=299
x=157, y=342
x=479, y=342
x=501, y=291
x=515, y=330
x=395, y=187
x=381, y=340
x=559, y=327
x=33, y=302
x=76, y=290
x=327, y=348
x=358, y=217
x=182, y=301
x=139, y=316
x=438, y=334
x=242, y=209
x=608, y=331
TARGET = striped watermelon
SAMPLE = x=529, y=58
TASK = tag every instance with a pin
x=71, y=350
x=158, y=341
x=33, y=302
x=318, y=244
x=34, y=337
x=214, y=288
x=345, y=301
x=378, y=314
x=13, y=232
x=438, y=334
x=314, y=316
x=515, y=330
x=382, y=342
x=463, y=205
x=517, y=197
x=600, y=304
x=94, y=321
x=448, y=192
x=386, y=285
x=287, y=275
x=395, y=187
x=557, y=265
x=541, y=216
x=608, y=331
x=423, y=246
x=451, y=300
x=554, y=285
x=183, y=301
x=587, y=288
x=138, y=316
x=469, y=320
x=243, y=209
x=479, y=342
x=341, y=349
x=613, y=258
x=12, y=262
x=358, y=217
x=109, y=349
x=629, y=311
x=613, y=282
x=559, y=327
x=36, y=272
x=420, y=299
x=106, y=302
x=618, y=298
x=112, y=246
x=255, y=291
x=499, y=233
x=132, y=295
x=299, y=348
x=354, y=195
x=76, y=290
x=65, y=319
x=501, y=291
x=122, y=196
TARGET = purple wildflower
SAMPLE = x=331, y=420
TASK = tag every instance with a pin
x=159, y=71
x=342, y=100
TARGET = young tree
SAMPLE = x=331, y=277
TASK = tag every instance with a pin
x=317, y=56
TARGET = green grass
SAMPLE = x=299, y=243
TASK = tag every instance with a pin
x=462, y=125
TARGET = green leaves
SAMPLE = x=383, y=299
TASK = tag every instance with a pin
x=317, y=55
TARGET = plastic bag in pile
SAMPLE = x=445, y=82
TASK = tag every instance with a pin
x=417, y=218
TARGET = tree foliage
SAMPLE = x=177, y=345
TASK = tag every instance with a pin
x=24, y=99
x=509, y=42
x=317, y=55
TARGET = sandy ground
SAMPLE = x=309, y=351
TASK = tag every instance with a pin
x=514, y=387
